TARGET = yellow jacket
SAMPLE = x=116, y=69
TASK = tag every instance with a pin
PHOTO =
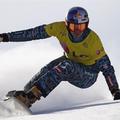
x=86, y=52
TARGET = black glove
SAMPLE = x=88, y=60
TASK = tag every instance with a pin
x=117, y=95
x=4, y=37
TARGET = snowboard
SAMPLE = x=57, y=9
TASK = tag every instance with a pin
x=103, y=102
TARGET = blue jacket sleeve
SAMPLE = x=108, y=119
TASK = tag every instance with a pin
x=104, y=65
x=28, y=35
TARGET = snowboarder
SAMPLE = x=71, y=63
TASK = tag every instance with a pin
x=84, y=57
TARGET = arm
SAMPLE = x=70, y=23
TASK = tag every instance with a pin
x=25, y=35
x=104, y=65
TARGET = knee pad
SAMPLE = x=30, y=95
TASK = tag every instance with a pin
x=65, y=68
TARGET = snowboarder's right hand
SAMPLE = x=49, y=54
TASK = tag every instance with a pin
x=4, y=37
x=117, y=95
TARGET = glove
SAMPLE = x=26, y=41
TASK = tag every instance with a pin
x=4, y=37
x=117, y=95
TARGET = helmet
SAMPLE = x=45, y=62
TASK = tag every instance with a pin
x=77, y=15
x=77, y=20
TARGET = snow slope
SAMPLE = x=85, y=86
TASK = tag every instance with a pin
x=13, y=107
x=99, y=110
x=20, y=61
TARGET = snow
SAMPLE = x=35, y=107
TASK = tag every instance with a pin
x=12, y=107
x=100, y=110
x=20, y=61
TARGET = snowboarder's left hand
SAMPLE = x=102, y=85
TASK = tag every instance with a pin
x=117, y=95
x=4, y=37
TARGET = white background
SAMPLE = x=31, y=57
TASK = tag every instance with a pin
x=20, y=61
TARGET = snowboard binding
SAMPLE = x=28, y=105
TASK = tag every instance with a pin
x=26, y=98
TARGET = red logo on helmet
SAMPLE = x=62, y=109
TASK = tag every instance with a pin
x=77, y=15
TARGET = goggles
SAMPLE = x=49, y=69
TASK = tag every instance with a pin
x=77, y=27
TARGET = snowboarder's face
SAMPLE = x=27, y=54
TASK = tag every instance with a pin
x=77, y=29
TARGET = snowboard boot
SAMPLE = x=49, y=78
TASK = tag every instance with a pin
x=28, y=98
